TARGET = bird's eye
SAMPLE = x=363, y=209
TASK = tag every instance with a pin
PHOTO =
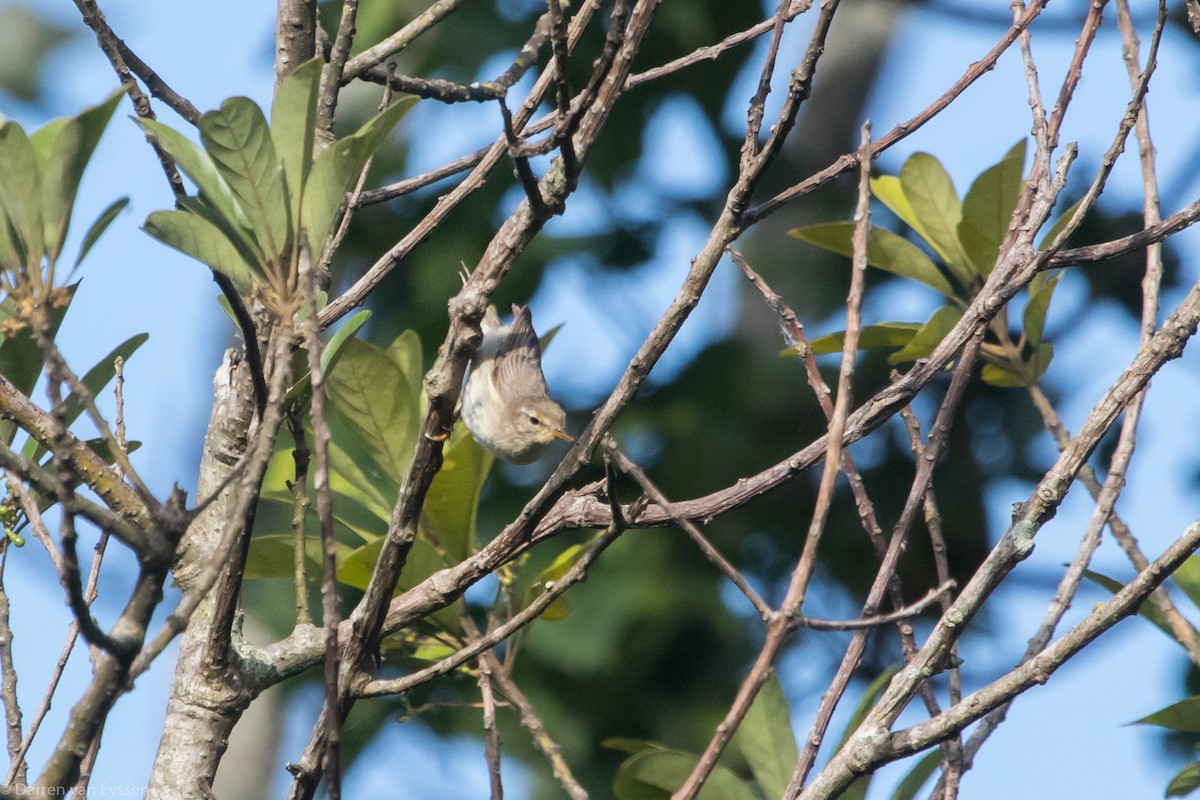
x=534, y=420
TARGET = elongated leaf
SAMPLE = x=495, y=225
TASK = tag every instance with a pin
x=666, y=770
x=99, y=227
x=885, y=334
x=912, y=782
x=20, y=186
x=930, y=193
x=293, y=122
x=405, y=351
x=1148, y=610
x=553, y=572
x=1035, y=310
x=929, y=336
x=766, y=740
x=337, y=168
x=271, y=555
x=373, y=397
x=452, y=504
x=1185, y=782
x=1182, y=716
x=21, y=360
x=203, y=241
x=332, y=351
x=1059, y=224
x=68, y=148
x=988, y=207
x=885, y=251
x=369, y=487
x=1187, y=578
x=198, y=166
x=1025, y=374
x=423, y=561
x=239, y=142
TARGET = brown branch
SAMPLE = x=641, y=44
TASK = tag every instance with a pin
x=491, y=733
x=333, y=72
x=356, y=294
x=295, y=35
x=8, y=681
x=530, y=720
x=849, y=161
x=375, y=55
x=687, y=526
x=1014, y=545
x=577, y=572
x=1157, y=232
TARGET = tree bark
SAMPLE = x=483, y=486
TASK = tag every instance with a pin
x=203, y=706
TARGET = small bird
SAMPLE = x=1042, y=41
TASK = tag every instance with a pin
x=505, y=401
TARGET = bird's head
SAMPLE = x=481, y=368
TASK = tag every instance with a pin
x=534, y=424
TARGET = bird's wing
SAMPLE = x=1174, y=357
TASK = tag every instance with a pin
x=518, y=362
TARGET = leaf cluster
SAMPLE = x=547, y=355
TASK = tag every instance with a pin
x=962, y=240
x=263, y=197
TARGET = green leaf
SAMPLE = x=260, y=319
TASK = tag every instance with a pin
x=423, y=560
x=1187, y=578
x=937, y=210
x=331, y=352
x=885, y=334
x=1059, y=224
x=21, y=359
x=1185, y=782
x=373, y=397
x=1182, y=716
x=293, y=123
x=626, y=744
x=766, y=740
x=351, y=477
x=65, y=150
x=912, y=782
x=654, y=773
x=197, y=237
x=452, y=504
x=553, y=572
x=1035, y=309
x=336, y=170
x=1024, y=374
x=405, y=351
x=271, y=555
x=929, y=336
x=198, y=166
x=99, y=227
x=988, y=207
x=20, y=186
x=239, y=142
x=1149, y=610
x=885, y=251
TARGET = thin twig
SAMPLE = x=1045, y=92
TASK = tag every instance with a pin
x=530, y=720
x=491, y=733
x=687, y=526
x=575, y=574
x=8, y=683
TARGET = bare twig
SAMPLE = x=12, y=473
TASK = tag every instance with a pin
x=530, y=720
x=491, y=733
x=8, y=681
x=687, y=526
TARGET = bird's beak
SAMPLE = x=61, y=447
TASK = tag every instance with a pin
x=562, y=435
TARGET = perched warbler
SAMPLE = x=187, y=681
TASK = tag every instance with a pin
x=505, y=401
